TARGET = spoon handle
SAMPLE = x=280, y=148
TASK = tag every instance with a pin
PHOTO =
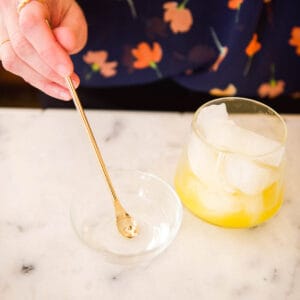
x=91, y=136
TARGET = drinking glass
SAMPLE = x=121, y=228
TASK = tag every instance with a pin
x=231, y=172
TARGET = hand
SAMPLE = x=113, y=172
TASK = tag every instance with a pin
x=40, y=54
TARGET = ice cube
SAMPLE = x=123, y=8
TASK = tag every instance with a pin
x=216, y=201
x=221, y=135
x=209, y=115
x=247, y=176
x=224, y=134
x=260, y=148
x=202, y=159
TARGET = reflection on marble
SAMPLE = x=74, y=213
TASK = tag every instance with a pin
x=46, y=162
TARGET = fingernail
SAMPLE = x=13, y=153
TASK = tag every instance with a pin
x=64, y=95
x=75, y=80
x=63, y=70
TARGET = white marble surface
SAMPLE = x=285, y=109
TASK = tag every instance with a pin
x=46, y=160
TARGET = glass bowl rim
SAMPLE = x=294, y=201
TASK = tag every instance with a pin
x=155, y=250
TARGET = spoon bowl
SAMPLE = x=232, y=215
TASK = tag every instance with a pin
x=126, y=225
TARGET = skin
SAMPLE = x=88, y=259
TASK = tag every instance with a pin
x=40, y=54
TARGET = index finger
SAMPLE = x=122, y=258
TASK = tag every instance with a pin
x=33, y=24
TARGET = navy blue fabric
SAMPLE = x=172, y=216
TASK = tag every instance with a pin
x=188, y=56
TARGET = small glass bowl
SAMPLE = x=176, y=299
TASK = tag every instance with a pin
x=151, y=201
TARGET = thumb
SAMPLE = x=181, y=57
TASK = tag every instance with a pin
x=71, y=33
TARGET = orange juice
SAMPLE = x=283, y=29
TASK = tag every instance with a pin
x=233, y=209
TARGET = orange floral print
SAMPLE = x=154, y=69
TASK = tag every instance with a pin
x=147, y=57
x=296, y=95
x=235, y=4
x=156, y=27
x=295, y=39
x=189, y=72
x=273, y=88
x=179, y=17
x=254, y=46
x=98, y=62
x=230, y=90
x=219, y=60
x=222, y=51
x=127, y=58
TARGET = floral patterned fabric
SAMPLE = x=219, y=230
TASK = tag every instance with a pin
x=222, y=47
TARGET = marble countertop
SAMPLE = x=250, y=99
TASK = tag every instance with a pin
x=45, y=159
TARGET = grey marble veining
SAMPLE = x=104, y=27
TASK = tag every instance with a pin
x=46, y=161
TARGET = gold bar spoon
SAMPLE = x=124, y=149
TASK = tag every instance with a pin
x=126, y=224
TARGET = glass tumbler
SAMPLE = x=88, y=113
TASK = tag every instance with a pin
x=231, y=171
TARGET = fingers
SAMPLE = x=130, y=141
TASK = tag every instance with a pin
x=72, y=32
x=34, y=51
x=28, y=55
x=37, y=32
x=12, y=63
